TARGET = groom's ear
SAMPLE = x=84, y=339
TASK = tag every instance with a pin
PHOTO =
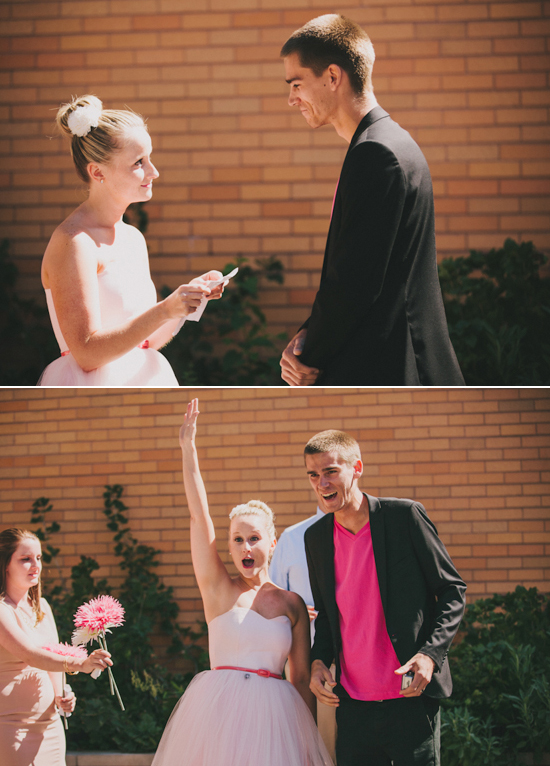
x=335, y=76
x=358, y=469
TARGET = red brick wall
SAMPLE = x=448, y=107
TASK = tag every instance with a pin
x=477, y=459
x=240, y=172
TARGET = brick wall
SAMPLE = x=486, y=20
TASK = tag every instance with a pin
x=240, y=172
x=477, y=459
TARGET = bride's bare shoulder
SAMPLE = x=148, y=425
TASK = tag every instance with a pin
x=71, y=237
x=77, y=226
x=69, y=244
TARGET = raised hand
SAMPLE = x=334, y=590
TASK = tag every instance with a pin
x=188, y=431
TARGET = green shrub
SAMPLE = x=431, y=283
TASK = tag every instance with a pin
x=26, y=337
x=498, y=312
x=148, y=690
x=468, y=741
x=501, y=672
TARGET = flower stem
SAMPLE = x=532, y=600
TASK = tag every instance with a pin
x=103, y=641
x=63, y=712
x=112, y=683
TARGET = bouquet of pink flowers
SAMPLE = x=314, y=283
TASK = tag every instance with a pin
x=66, y=650
x=93, y=621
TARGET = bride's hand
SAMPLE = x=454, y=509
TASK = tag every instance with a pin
x=186, y=298
x=213, y=275
x=188, y=431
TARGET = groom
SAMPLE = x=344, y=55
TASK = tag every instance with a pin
x=389, y=603
x=378, y=316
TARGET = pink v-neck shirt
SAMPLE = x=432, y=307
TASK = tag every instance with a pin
x=368, y=659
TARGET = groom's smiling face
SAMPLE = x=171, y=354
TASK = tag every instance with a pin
x=333, y=480
x=311, y=94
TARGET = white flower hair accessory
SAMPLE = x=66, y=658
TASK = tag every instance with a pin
x=83, y=119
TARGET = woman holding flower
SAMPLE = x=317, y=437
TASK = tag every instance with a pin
x=102, y=302
x=242, y=712
x=31, y=686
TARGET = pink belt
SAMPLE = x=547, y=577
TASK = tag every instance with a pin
x=261, y=672
x=145, y=344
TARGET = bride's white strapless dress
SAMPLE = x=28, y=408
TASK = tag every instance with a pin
x=237, y=718
x=123, y=294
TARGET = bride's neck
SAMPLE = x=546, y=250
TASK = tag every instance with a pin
x=105, y=210
x=255, y=583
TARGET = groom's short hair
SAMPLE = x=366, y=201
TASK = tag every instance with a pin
x=334, y=39
x=344, y=445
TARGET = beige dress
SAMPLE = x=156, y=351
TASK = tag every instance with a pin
x=31, y=732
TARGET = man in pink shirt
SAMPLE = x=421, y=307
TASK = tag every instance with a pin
x=389, y=601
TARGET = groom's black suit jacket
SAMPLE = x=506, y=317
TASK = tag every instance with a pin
x=378, y=316
x=422, y=592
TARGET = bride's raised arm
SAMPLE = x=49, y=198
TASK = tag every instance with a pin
x=209, y=569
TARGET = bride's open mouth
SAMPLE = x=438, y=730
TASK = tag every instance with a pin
x=248, y=563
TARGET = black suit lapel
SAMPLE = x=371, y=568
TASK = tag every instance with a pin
x=378, y=546
x=322, y=548
x=326, y=561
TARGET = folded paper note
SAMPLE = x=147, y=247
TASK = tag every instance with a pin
x=198, y=312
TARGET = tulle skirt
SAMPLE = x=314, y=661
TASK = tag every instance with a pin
x=228, y=719
x=139, y=367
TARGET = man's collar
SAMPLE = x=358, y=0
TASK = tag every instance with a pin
x=375, y=114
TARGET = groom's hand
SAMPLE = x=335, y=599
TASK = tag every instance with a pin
x=423, y=667
x=321, y=675
x=293, y=371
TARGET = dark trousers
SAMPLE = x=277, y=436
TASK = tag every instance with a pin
x=402, y=732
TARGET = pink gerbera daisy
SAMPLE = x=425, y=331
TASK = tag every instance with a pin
x=66, y=650
x=99, y=614
x=92, y=621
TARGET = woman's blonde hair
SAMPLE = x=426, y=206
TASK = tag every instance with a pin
x=256, y=508
x=102, y=140
x=9, y=542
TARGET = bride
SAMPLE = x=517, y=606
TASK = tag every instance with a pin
x=242, y=712
x=95, y=271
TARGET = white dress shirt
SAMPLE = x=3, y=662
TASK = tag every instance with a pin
x=288, y=568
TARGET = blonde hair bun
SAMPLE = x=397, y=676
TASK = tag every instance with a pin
x=79, y=116
x=96, y=133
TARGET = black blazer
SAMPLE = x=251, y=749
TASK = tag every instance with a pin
x=378, y=317
x=422, y=593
